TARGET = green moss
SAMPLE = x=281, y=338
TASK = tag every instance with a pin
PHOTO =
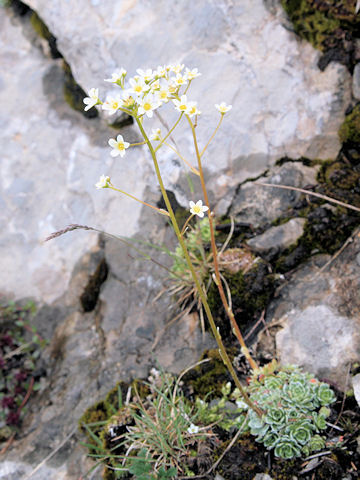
x=312, y=24
x=327, y=227
x=208, y=378
x=39, y=26
x=250, y=294
x=350, y=128
x=74, y=94
x=42, y=30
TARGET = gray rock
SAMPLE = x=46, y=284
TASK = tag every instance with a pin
x=51, y=158
x=356, y=82
x=315, y=317
x=276, y=239
x=260, y=205
x=282, y=103
x=356, y=386
x=262, y=476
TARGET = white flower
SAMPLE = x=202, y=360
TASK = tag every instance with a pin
x=163, y=94
x=191, y=74
x=192, y=109
x=179, y=80
x=117, y=76
x=119, y=146
x=161, y=71
x=193, y=429
x=223, y=108
x=138, y=86
x=241, y=404
x=156, y=134
x=112, y=104
x=198, y=208
x=147, y=74
x=148, y=105
x=177, y=68
x=103, y=182
x=182, y=104
x=92, y=99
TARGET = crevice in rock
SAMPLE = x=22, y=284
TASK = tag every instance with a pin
x=90, y=295
x=72, y=92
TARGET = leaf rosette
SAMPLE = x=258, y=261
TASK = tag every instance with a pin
x=324, y=394
x=287, y=448
x=300, y=431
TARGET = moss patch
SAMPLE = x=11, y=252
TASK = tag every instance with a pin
x=349, y=131
x=207, y=379
x=330, y=26
x=328, y=225
x=250, y=294
x=42, y=30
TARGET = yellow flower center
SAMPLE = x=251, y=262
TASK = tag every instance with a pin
x=147, y=106
x=120, y=146
x=183, y=108
x=197, y=209
x=138, y=88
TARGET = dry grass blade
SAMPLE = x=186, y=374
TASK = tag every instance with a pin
x=69, y=228
x=307, y=192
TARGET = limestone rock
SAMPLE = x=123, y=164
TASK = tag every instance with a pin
x=259, y=205
x=282, y=103
x=356, y=386
x=51, y=158
x=356, y=82
x=276, y=239
x=318, y=314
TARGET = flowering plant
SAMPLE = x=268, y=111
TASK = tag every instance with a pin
x=140, y=96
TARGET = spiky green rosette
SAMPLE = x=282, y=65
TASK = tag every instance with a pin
x=295, y=410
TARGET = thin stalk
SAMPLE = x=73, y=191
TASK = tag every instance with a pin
x=228, y=310
x=186, y=224
x=201, y=292
x=159, y=210
x=169, y=132
x=193, y=169
x=212, y=136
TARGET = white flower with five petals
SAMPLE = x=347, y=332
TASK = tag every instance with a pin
x=103, y=182
x=92, y=99
x=223, y=108
x=198, y=208
x=118, y=146
x=112, y=104
x=148, y=105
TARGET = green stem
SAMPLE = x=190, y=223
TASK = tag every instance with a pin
x=193, y=169
x=212, y=136
x=199, y=287
x=159, y=210
x=169, y=132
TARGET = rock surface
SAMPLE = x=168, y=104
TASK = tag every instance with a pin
x=277, y=239
x=356, y=82
x=51, y=158
x=316, y=315
x=259, y=205
x=282, y=103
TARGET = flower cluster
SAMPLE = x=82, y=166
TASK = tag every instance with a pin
x=145, y=92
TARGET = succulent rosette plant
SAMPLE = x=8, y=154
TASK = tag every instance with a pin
x=295, y=409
